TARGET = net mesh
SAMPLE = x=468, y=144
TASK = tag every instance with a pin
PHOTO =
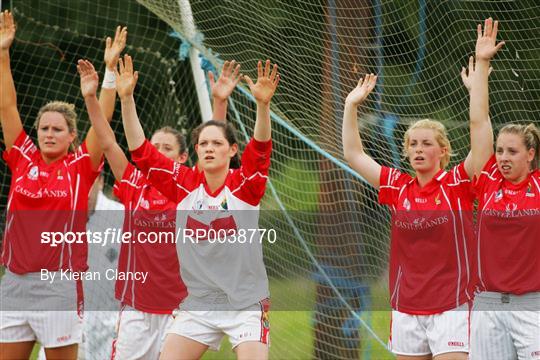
x=328, y=268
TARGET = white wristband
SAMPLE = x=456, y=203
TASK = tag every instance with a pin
x=109, y=80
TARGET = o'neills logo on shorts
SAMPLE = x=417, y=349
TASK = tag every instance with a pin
x=63, y=338
x=421, y=223
x=456, y=343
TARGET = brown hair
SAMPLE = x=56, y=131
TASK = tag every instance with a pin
x=440, y=135
x=67, y=110
x=531, y=139
x=180, y=138
x=228, y=132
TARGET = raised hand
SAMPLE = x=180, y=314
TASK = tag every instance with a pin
x=486, y=46
x=227, y=81
x=113, y=48
x=362, y=90
x=89, y=78
x=7, y=29
x=467, y=74
x=126, y=78
x=267, y=82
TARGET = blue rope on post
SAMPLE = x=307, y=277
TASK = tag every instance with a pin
x=183, y=53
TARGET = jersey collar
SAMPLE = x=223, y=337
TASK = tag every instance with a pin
x=519, y=186
x=435, y=181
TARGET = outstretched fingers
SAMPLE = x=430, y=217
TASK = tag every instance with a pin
x=479, y=31
x=226, y=69
x=117, y=32
x=276, y=81
x=211, y=79
x=267, y=69
x=85, y=67
x=495, y=29
x=120, y=36
x=466, y=72
x=248, y=80
x=368, y=82
x=125, y=65
x=463, y=74
x=372, y=81
x=120, y=66
x=128, y=63
x=7, y=20
x=259, y=69
x=499, y=46
x=236, y=73
x=365, y=83
x=488, y=27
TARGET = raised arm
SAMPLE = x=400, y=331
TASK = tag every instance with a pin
x=263, y=91
x=9, y=115
x=125, y=85
x=223, y=88
x=113, y=49
x=107, y=141
x=353, y=149
x=481, y=129
x=467, y=75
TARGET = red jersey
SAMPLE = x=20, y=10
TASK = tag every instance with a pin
x=432, y=240
x=148, y=211
x=508, y=231
x=45, y=198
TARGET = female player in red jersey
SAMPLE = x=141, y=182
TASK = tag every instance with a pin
x=48, y=193
x=218, y=276
x=147, y=304
x=506, y=312
x=432, y=235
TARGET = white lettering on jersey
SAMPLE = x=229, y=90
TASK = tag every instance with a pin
x=511, y=212
x=42, y=193
x=421, y=223
x=154, y=223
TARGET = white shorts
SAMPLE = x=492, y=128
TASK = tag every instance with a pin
x=139, y=334
x=416, y=335
x=25, y=301
x=209, y=327
x=505, y=326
